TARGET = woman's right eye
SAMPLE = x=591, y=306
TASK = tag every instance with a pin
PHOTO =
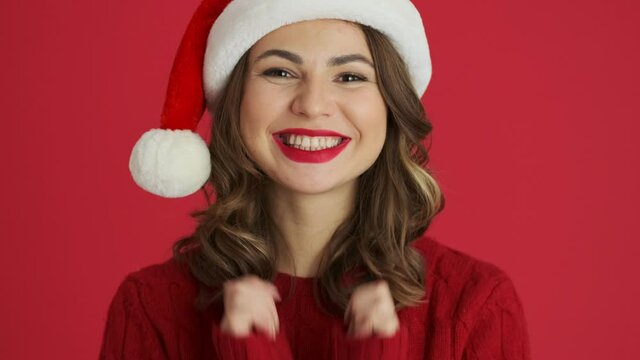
x=275, y=71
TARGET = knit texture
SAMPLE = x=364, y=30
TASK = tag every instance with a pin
x=472, y=312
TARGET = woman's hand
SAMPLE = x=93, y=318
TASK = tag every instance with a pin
x=249, y=302
x=371, y=311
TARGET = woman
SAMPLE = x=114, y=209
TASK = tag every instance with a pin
x=315, y=246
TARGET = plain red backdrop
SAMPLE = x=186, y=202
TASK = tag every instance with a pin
x=536, y=118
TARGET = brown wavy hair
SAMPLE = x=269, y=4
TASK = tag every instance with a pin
x=396, y=200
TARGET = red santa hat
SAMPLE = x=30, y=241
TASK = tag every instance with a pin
x=173, y=160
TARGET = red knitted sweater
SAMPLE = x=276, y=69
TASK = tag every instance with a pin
x=472, y=312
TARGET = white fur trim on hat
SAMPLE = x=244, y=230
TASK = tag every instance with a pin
x=170, y=163
x=244, y=22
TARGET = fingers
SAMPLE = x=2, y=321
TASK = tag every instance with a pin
x=390, y=330
x=265, y=325
x=250, y=303
x=371, y=311
x=267, y=320
x=347, y=311
x=267, y=317
x=275, y=293
x=273, y=311
x=275, y=320
x=362, y=327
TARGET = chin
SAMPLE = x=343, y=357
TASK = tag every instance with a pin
x=308, y=186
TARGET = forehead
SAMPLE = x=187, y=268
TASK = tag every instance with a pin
x=315, y=37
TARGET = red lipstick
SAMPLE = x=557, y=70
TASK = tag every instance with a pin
x=318, y=156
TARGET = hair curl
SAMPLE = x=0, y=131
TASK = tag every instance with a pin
x=396, y=200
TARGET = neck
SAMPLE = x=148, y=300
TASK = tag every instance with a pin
x=306, y=223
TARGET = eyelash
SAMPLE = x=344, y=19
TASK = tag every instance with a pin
x=273, y=70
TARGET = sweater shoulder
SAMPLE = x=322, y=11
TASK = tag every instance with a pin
x=161, y=274
x=455, y=267
x=460, y=284
x=166, y=291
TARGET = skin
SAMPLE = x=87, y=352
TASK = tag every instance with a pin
x=308, y=201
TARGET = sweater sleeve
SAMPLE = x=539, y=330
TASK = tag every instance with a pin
x=255, y=346
x=374, y=347
x=129, y=334
x=500, y=329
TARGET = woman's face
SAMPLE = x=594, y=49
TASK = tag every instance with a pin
x=306, y=94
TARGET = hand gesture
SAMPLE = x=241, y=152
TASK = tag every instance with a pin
x=248, y=303
x=371, y=311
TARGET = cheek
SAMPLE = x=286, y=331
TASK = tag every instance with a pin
x=259, y=109
x=256, y=123
x=253, y=117
x=249, y=125
x=370, y=117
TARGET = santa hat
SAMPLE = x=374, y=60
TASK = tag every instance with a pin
x=173, y=160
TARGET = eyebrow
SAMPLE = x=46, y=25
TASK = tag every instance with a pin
x=297, y=59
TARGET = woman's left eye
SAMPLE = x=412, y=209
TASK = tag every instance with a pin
x=358, y=77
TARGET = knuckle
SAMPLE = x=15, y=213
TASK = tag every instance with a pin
x=382, y=287
x=227, y=284
x=229, y=288
x=364, y=318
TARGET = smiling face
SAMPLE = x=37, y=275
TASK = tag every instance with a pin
x=299, y=91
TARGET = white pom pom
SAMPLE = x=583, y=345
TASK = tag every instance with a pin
x=170, y=163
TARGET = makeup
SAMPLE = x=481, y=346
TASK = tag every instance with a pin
x=309, y=156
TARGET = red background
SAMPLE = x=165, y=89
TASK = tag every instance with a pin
x=535, y=111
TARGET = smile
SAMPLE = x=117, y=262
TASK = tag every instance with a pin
x=310, y=146
x=309, y=143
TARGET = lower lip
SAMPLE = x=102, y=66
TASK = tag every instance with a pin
x=318, y=156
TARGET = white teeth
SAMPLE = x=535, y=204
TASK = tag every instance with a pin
x=309, y=143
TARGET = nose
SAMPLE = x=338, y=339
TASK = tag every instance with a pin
x=313, y=98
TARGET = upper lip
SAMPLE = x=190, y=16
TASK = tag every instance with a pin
x=310, y=132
